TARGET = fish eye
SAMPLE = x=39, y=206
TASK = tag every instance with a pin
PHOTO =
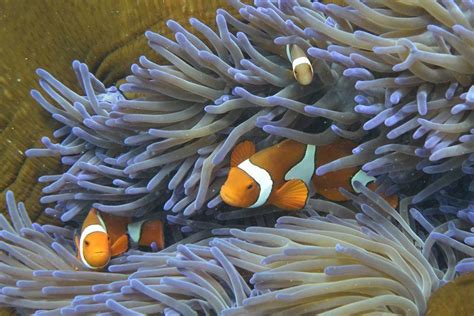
x=250, y=186
x=86, y=242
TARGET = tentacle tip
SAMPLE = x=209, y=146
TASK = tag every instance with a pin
x=149, y=33
x=268, y=129
x=35, y=93
x=321, y=171
x=41, y=72
x=29, y=153
x=417, y=199
x=170, y=23
x=220, y=18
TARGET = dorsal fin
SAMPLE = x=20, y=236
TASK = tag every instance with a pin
x=76, y=242
x=242, y=152
x=90, y=219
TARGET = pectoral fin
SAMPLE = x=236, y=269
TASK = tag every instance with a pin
x=392, y=200
x=242, y=152
x=120, y=246
x=291, y=196
x=76, y=242
x=78, y=255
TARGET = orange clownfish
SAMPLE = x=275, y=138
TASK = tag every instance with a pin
x=104, y=236
x=302, y=68
x=281, y=175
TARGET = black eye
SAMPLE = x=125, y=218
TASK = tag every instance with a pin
x=86, y=242
x=250, y=186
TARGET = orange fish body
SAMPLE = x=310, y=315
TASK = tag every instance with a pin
x=328, y=185
x=282, y=174
x=104, y=236
x=268, y=176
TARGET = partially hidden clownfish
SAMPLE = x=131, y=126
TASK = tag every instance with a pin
x=282, y=174
x=302, y=68
x=104, y=236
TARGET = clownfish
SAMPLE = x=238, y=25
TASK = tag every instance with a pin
x=302, y=68
x=282, y=174
x=104, y=236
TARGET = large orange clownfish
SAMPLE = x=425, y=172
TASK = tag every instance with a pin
x=281, y=175
x=104, y=236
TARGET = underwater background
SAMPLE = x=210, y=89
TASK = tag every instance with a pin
x=392, y=78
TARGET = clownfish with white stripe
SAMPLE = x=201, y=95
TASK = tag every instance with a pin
x=302, y=68
x=282, y=174
x=104, y=236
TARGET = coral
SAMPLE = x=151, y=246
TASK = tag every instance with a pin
x=453, y=298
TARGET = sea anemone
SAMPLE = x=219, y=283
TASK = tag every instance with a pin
x=236, y=83
x=334, y=266
x=392, y=76
x=41, y=273
x=457, y=234
x=312, y=263
x=413, y=65
x=169, y=146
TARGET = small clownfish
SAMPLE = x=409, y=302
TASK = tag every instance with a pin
x=281, y=175
x=302, y=68
x=104, y=236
